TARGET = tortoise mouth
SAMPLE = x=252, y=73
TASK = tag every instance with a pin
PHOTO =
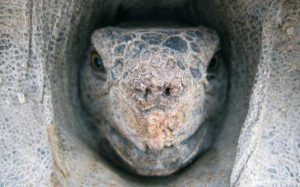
x=160, y=128
x=154, y=162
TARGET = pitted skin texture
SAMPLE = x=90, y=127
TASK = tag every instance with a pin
x=160, y=93
x=42, y=43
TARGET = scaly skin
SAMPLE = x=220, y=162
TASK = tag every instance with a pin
x=159, y=92
x=42, y=43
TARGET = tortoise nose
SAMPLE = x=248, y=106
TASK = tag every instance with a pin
x=147, y=93
x=155, y=92
x=167, y=91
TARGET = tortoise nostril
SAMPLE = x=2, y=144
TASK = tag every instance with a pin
x=147, y=93
x=168, y=91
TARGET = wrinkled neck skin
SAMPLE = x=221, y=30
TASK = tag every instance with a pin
x=160, y=94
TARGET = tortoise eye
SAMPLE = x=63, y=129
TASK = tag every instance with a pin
x=214, y=64
x=97, y=62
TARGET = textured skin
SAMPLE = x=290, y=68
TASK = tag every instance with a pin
x=159, y=93
x=42, y=127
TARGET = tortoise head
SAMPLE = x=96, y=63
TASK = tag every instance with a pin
x=155, y=87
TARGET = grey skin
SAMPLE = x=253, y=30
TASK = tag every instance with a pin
x=154, y=94
x=43, y=41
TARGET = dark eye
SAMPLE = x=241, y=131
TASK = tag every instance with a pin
x=97, y=62
x=214, y=64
